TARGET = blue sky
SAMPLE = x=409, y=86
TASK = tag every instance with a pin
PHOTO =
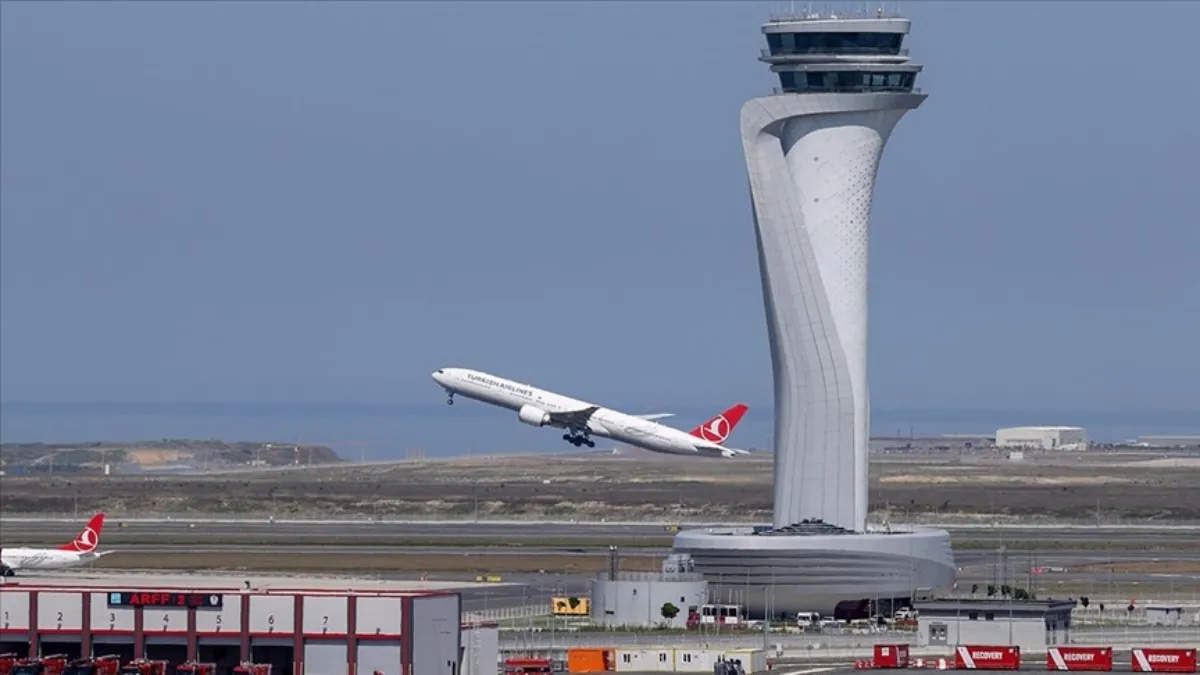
x=295, y=202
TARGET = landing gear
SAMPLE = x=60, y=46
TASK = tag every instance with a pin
x=578, y=439
x=450, y=400
x=7, y=572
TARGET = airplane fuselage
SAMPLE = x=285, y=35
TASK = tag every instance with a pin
x=533, y=404
x=44, y=558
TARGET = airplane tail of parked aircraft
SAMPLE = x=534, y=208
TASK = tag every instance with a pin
x=717, y=429
x=88, y=538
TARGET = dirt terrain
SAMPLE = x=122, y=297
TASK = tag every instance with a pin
x=982, y=487
x=81, y=459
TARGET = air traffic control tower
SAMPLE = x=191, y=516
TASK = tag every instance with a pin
x=812, y=152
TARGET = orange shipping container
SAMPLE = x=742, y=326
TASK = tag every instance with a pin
x=590, y=660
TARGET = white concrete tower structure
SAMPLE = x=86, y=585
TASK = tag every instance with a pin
x=812, y=151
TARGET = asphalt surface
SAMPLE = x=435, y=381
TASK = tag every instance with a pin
x=15, y=528
x=261, y=536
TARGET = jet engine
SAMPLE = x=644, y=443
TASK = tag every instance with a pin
x=534, y=417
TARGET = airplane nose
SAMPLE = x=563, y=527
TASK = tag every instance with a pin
x=438, y=376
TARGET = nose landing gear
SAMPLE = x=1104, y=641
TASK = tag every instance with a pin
x=450, y=400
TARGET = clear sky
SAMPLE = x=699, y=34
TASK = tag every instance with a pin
x=326, y=201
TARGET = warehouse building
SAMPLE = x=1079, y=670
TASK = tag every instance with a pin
x=647, y=599
x=295, y=625
x=1043, y=438
x=1028, y=624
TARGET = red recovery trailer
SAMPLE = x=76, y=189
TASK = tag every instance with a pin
x=97, y=665
x=46, y=665
x=252, y=669
x=196, y=668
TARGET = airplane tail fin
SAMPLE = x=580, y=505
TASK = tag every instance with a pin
x=88, y=538
x=717, y=429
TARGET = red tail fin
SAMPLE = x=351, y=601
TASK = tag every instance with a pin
x=88, y=538
x=718, y=428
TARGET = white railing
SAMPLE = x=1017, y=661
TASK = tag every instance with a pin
x=506, y=613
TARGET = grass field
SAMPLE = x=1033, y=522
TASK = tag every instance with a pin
x=985, y=487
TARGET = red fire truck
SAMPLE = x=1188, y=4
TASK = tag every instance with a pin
x=144, y=667
x=6, y=663
x=97, y=665
x=46, y=665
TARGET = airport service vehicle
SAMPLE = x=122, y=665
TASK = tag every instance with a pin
x=97, y=665
x=582, y=420
x=6, y=663
x=79, y=551
x=189, y=668
x=45, y=665
x=253, y=669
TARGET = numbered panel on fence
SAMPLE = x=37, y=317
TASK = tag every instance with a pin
x=14, y=610
x=226, y=620
x=272, y=614
x=379, y=616
x=60, y=611
x=160, y=620
x=325, y=615
x=111, y=619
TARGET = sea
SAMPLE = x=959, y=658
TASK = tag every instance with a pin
x=381, y=431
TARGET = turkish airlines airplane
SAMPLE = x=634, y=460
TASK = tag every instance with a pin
x=581, y=420
x=80, y=551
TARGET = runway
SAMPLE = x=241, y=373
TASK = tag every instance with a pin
x=1059, y=566
x=16, y=528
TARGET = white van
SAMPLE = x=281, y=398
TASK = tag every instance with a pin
x=806, y=619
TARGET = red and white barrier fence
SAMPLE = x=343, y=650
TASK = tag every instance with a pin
x=1008, y=657
x=1163, y=660
x=1079, y=658
x=987, y=657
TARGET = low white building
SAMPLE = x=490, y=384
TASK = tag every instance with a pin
x=1044, y=438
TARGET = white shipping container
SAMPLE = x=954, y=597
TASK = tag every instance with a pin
x=652, y=660
x=695, y=660
x=753, y=660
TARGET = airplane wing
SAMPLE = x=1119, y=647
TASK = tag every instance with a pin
x=720, y=451
x=573, y=419
x=655, y=416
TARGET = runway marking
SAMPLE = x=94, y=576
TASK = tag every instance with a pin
x=809, y=671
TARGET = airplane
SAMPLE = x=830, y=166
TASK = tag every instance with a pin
x=581, y=420
x=79, y=551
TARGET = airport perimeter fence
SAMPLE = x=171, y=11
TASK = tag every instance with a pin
x=1117, y=615
x=948, y=520
x=814, y=646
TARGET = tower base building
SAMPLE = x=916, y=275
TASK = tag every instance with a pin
x=812, y=153
x=814, y=567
